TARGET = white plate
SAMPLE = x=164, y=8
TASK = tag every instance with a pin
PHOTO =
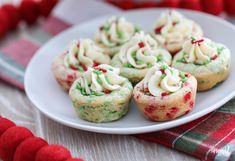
x=43, y=90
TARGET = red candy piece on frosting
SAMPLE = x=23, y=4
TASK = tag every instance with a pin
x=53, y=153
x=74, y=159
x=29, y=10
x=192, y=4
x=28, y=149
x=10, y=140
x=13, y=15
x=214, y=7
x=45, y=6
x=5, y=124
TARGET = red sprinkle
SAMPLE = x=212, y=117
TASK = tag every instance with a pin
x=174, y=23
x=163, y=71
x=107, y=91
x=84, y=67
x=141, y=44
x=70, y=76
x=174, y=110
x=101, y=69
x=191, y=104
x=78, y=45
x=95, y=64
x=187, y=75
x=187, y=96
x=73, y=67
x=214, y=57
x=164, y=94
x=197, y=41
x=158, y=29
x=149, y=109
x=101, y=28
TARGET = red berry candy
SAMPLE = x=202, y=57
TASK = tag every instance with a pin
x=5, y=124
x=192, y=4
x=13, y=15
x=4, y=27
x=229, y=7
x=29, y=10
x=74, y=159
x=46, y=6
x=169, y=3
x=28, y=149
x=214, y=7
x=10, y=140
x=53, y=153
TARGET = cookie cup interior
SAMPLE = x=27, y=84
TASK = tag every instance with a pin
x=64, y=75
x=105, y=108
x=134, y=75
x=207, y=75
x=163, y=108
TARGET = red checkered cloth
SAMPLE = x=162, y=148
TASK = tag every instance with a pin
x=211, y=137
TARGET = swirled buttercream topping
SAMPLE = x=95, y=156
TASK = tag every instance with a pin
x=200, y=50
x=100, y=80
x=142, y=52
x=163, y=80
x=84, y=53
x=173, y=27
x=116, y=31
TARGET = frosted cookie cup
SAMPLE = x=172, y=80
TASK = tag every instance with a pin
x=208, y=61
x=173, y=29
x=114, y=33
x=138, y=55
x=80, y=55
x=165, y=93
x=101, y=94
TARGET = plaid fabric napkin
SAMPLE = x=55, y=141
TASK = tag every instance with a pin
x=211, y=137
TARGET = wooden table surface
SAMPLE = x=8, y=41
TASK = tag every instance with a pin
x=90, y=146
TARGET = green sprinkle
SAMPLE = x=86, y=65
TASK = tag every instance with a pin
x=137, y=29
x=193, y=39
x=97, y=93
x=159, y=58
x=163, y=76
x=107, y=79
x=149, y=65
x=97, y=72
x=206, y=62
x=106, y=27
x=133, y=54
x=120, y=33
x=99, y=80
x=184, y=79
x=140, y=62
x=83, y=91
x=78, y=86
x=127, y=65
x=182, y=75
x=184, y=53
x=80, y=69
x=220, y=49
x=110, y=69
x=164, y=67
x=182, y=60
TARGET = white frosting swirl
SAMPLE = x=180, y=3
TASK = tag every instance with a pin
x=116, y=31
x=199, y=51
x=173, y=27
x=100, y=80
x=84, y=52
x=163, y=79
x=142, y=51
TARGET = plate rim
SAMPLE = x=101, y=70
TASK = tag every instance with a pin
x=130, y=130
